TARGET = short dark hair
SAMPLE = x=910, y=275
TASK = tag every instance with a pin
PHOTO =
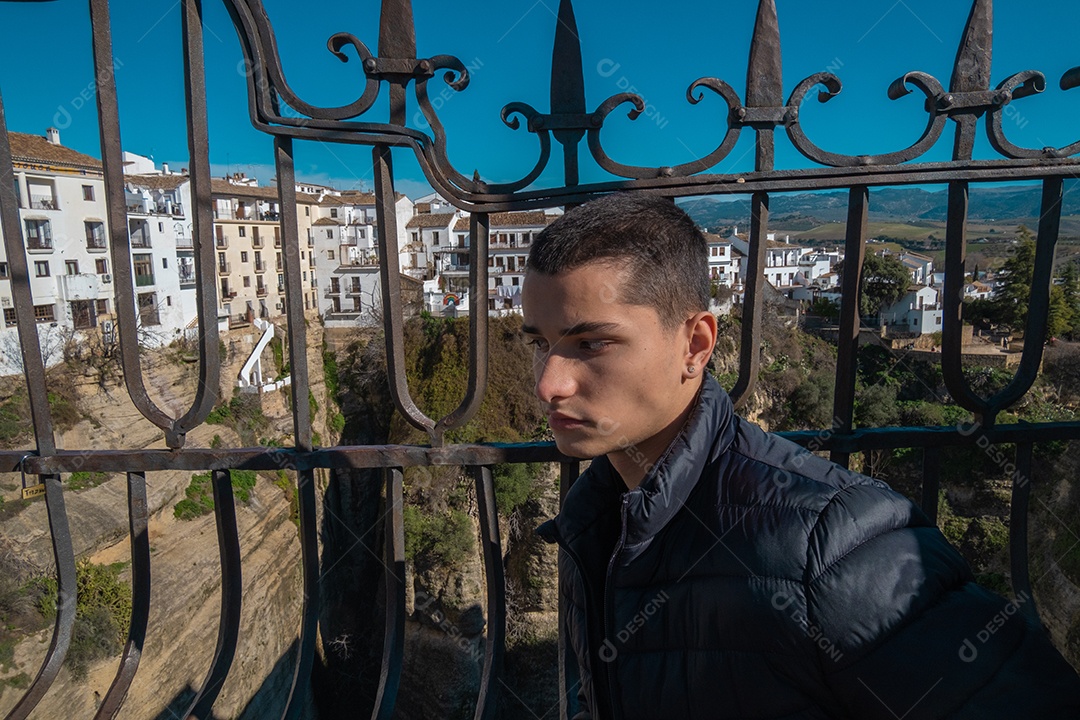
x=664, y=251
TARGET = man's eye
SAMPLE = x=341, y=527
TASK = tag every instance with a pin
x=537, y=343
x=593, y=345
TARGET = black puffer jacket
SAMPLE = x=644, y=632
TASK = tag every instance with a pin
x=748, y=578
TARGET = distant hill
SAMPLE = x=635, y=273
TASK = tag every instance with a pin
x=1003, y=206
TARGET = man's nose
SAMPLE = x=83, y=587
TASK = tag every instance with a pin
x=554, y=378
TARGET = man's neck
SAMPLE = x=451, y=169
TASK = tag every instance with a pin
x=635, y=461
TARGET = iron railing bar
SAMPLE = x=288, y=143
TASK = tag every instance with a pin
x=753, y=301
x=201, y=707
x=294, y=293
x=931, y=482
x=1039, y=300
x=812, y=179
x=479, y=227
x=41, y=417
x=952, y=305
x=568, y=669
x=309, y=547
x=67, y=591
x=1019, y=567
x=394, y=334
x=850, y=315
x=383, y=456
x=394, y=580
x=495, y=642
x=202, y=220
x=26, y=326
x=116, y=212
x=309, y=618
x=138, y=514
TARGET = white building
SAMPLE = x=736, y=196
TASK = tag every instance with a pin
x=918, y=311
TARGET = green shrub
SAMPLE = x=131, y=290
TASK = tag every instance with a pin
x=515, y=484
x=442, y=539
x=337, y=423
x=243, y=481
x=102, y=617
x=198, y=500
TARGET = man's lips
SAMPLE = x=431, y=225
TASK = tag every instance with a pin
x=559, y=421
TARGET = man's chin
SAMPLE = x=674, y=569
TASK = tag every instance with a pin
x=576, y=445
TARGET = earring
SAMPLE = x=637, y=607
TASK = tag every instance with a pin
x=691, y=369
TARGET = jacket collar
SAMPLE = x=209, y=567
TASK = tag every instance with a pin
x=708, y=432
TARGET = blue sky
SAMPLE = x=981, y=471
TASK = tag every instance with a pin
x=658, y=49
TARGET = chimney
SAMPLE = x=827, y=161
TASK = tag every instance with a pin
x=164, y=168
x=53, y=136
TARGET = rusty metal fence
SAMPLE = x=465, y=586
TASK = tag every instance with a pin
x=970, y=102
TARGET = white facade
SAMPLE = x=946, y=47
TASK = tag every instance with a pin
x=918, y=311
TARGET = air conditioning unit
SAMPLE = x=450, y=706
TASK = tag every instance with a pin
x=106, y=278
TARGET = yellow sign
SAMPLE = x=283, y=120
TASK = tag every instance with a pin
x=33, y=491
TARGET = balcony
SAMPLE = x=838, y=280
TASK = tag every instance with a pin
x=224, y=268
x=270, y=216
x=261, y=290
x=185, y=243
x=260, y=266
x=144, y=280
x=187, y=277
x=221, y=243
x=39, y=244
x=332, y=291
x=43, y=202
x=355, y=291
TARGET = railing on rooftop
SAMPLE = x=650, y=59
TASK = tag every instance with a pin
x=968, y=101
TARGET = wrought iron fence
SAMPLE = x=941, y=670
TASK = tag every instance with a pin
x=279, y=112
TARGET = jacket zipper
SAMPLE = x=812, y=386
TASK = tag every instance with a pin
x=616, y=709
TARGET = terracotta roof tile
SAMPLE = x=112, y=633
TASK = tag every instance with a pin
x=435, y=220
x=36, y=149
x=327, y=221
x=157, y=182
x=527, y=218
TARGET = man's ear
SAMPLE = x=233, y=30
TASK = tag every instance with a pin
x=701, y=336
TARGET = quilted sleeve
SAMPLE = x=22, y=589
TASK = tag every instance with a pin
x=910, y=634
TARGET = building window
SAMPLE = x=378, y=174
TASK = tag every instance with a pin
x=333, y=212
x=435, y=238
x=247, y=281
x=361, y=233
x=102, y=307
x=83, y=316
x=44, y=313
x=243, y=231
x=71, y=267
x=88, y=193
x=101, y=266
x=4, y=271
x=329, y=254
x=38, y=235
x=330, y=233
x=144, y=269
x=95, y=235
x=41, y=268
x=148, y=310
x=307, y=211
x=165, y=263
x=139, y=230
x=9, y=317
x=243, y=256
x=168, y=300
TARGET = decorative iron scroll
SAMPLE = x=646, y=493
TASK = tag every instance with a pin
x=283, y=115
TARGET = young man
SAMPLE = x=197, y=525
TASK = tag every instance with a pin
x=712, y=570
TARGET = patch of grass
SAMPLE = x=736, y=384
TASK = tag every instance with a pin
x=285, y=484
x=216, y=442
x=199, y=494
x=198, y=500
x=83, y=480
x=337, y=423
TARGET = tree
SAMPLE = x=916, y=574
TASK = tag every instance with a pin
x=884, y=281
x=1060, y=316
x=1011, y=299
x=1070, y=288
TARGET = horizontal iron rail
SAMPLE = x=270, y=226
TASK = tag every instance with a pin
x=386, y=456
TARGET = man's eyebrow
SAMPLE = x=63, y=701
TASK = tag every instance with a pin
x=579, y=329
